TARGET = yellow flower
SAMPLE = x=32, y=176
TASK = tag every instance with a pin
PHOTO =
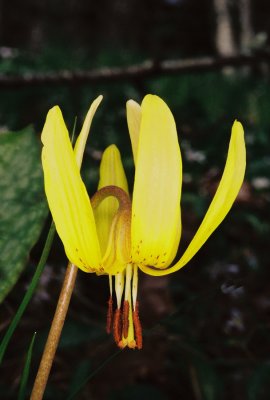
x=109, y=235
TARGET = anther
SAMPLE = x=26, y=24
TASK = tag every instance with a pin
x=137, y=327
x=109, y=315
x=117, y=326
x=125, y=318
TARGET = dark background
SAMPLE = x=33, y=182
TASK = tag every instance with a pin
x=206, y=328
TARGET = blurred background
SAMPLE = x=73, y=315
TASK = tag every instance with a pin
x=206, y=328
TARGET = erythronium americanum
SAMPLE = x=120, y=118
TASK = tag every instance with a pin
x=114, y=235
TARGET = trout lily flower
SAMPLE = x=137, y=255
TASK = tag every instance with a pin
x=114, y=235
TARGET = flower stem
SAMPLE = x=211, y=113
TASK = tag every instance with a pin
x=55, y=333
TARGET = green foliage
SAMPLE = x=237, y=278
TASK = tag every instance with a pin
x=23, y=208
x=258, y=386
x=80, y=375
x=26, y=370
x=29, y=293
x=207, y=379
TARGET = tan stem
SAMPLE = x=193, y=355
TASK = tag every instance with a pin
x=55, y=333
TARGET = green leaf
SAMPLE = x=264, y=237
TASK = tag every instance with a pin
x=26, y=370
x=28, y=295
x=206, y=380
x=81, y=372
x=22, y=203
x=83, y=382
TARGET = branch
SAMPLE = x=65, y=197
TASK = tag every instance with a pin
x=137, y=71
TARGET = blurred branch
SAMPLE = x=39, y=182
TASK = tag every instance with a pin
x=224, y=38
x=146, y=69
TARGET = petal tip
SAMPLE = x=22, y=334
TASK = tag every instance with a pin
x=152, y=100
x=132, y=104
x=99, y=99
x=237, y=126
x=54, y=111
x=53, y=118
x=238, y=131
x=112, y=149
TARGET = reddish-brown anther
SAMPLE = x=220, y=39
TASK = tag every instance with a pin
x=137, y=327
x=117, y=326
x=125, y=318
x=109, y=315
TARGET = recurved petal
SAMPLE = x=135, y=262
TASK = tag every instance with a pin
x=134, y=116
x=67, y=196
x=222, y=202
x=111, y=173
x=82, y=138
x=156, y=225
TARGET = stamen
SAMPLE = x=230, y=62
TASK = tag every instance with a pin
x=110, y=284
x=125, y=318
x=127, y=302
x=134, y=286
x=128, y=281
x=137, y=327
x=126, y=325
x=117, y=326
x=109, y=315
x=119, y=287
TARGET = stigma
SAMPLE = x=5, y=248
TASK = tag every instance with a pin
x=124, y=321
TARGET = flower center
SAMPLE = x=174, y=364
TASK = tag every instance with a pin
x=117, y=240
x=124, y=322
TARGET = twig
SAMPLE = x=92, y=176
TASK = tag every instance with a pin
x=145, y=69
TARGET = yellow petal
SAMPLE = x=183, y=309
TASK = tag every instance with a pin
x=134, y=116
x=155, y=226
x=222, y=202
x=111, y=173
x=117, y=254
x=67, y=196
x=82, y=138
